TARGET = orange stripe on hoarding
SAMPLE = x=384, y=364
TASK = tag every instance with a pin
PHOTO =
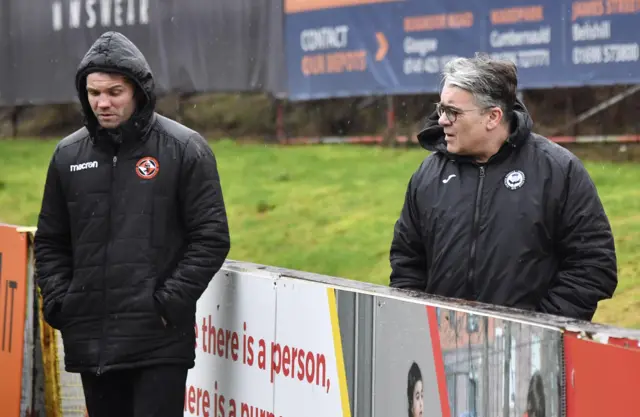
x=337, y=343
x=13, y=298
x=297, y=6
x=439, y=361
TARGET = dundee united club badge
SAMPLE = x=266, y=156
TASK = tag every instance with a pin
x=147, y=168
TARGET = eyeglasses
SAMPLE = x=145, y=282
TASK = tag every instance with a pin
x=452, y=112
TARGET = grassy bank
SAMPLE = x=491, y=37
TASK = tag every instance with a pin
x=331, y=209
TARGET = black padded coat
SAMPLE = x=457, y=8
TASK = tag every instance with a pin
x=525, y=230
x=132, y=229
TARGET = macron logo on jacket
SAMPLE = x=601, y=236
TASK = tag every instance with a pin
x=86, y=165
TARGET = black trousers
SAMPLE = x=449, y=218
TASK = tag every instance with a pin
x=156, y=391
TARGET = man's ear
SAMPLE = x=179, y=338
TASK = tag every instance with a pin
x=496, y=116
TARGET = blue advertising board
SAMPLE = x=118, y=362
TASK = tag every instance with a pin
x=341, y=48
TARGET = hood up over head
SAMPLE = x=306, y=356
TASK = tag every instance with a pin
x=113, y=52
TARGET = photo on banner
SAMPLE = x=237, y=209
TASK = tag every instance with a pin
x=498, y=367
x=409, y=372
x=409, y=359
x=391, y=357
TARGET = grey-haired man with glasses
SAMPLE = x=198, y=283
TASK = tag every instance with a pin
x=499, y=214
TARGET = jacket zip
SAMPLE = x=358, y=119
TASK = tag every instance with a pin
x=474, y=234
x=104, y=280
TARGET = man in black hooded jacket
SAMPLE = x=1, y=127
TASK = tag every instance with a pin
x=496, y=213
x=132, y=229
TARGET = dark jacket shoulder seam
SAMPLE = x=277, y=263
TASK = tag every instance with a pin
x=425, y=165
x=62, y=145
x=162, y=131
x=552, y=157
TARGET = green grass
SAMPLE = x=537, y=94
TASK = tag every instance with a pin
x=331, y=209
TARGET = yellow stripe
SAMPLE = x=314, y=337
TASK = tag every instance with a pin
x=49, y=345
x=337, y=343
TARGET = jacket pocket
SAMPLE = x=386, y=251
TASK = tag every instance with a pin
x=159, y=221
x=158, y=313
x=53, y=312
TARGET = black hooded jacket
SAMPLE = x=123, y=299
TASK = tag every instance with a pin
x=132, y=229
x=525, y=230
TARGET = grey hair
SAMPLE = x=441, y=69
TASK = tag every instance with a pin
x=493, y=83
